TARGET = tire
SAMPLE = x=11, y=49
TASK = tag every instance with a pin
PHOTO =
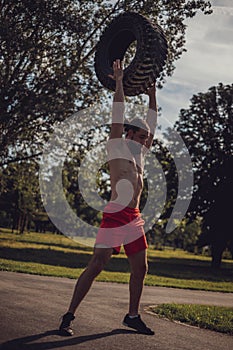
x=149, y=59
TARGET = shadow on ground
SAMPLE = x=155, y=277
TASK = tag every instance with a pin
x=29, y=342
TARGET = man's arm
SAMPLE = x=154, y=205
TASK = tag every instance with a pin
x=152, y=114
x=118, y=102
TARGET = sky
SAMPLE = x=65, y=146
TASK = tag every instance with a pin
x=207, y=62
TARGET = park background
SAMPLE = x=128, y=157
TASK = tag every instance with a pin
x=47, y=55
x=46, y=61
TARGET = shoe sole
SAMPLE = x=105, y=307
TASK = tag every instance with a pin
x=65, y=333
x=125, y=324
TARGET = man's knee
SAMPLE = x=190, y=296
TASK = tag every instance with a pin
x=140, y=271
x=98, y=262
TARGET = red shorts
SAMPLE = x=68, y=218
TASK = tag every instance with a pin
x=121, y=226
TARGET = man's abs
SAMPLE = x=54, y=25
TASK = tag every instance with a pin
x=126, y=182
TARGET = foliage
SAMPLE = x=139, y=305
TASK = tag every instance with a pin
x=206, y=127
x=46, y=61
x=20, y=199
x=185, y=235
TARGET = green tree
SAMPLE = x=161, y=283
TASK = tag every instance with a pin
x=46, y=61
x=207, y=129
x=20, y=201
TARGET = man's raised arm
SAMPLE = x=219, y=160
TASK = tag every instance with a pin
x=152, y=114
x=118, y=101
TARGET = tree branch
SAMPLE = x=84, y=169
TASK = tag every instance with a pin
x=18, y=159
x=95, y=30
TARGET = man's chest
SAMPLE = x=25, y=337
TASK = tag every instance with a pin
x=128, y=169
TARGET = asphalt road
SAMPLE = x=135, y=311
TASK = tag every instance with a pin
x=31, y=306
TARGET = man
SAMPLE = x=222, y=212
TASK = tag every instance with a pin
x=122, y=223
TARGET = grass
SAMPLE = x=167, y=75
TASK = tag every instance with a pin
x=217, y=318
x=56, y=255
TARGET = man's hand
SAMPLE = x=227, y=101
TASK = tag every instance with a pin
x=117, y=71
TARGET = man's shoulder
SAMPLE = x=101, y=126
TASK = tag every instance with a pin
x=113, y=143
x=117, y=148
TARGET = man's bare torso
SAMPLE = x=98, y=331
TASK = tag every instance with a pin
x=126, y=174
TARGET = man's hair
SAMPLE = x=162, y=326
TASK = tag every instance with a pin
x=136, y=124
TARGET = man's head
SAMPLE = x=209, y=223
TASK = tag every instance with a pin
x=137, y=130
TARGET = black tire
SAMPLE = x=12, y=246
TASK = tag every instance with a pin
x=149, y=59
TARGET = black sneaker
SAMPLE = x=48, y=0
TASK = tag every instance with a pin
x=65, y=327
x=138, y=324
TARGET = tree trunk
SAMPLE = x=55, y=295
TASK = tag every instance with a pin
x=22, y=224
x=217, y=249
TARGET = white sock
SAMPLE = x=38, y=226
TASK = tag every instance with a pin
x=132, y=317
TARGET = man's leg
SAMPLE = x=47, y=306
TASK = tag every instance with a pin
x=138, y=265
x=99, y=259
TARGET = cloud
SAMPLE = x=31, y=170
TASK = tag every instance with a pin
x=223, y=10
x=174, y=98
x=207, y=62
x=209, y=55
x=221, y=3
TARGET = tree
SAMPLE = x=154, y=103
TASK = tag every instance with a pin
x=46, y=61
x=206, y=127
x=20, y=201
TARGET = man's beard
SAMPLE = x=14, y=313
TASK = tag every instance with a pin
x=134, y=147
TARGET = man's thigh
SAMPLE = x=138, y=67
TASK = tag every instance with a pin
x=103, y=254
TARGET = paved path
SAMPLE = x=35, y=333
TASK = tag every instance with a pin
x=30, y=307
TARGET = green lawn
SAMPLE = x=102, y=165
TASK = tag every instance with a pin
x=217, y=318
x=57, y=255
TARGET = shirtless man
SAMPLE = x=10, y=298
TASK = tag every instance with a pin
x=121, y=223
